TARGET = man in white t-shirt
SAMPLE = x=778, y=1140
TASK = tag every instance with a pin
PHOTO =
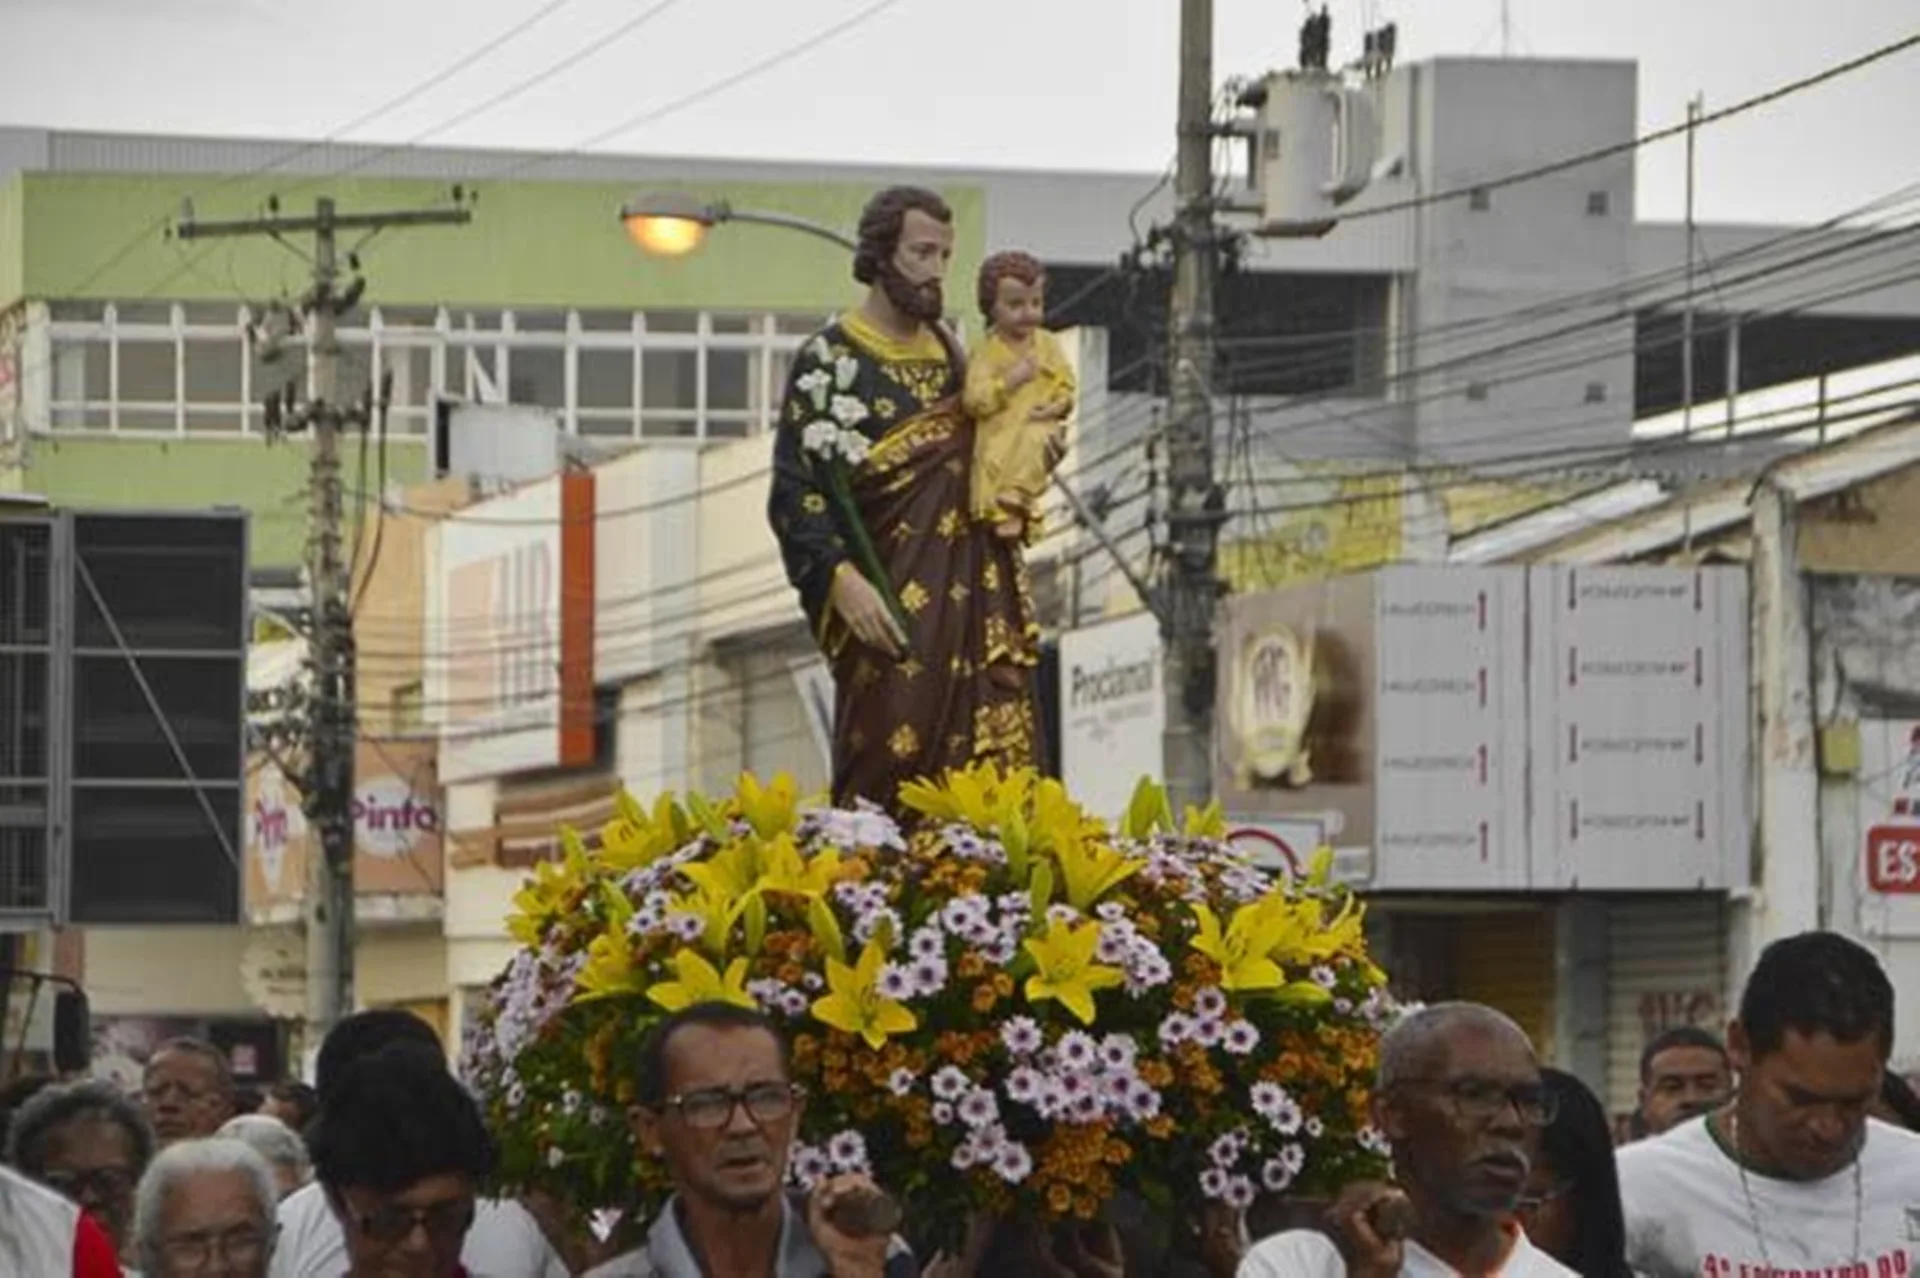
x=504, y=1241
x=1790, y=1176
x=1459, y=1096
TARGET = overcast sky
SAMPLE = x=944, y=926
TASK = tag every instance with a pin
x=1085, y=84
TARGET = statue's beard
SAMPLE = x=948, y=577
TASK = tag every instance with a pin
x=921, y=301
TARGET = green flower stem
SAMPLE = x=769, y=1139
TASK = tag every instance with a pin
x=866, y=558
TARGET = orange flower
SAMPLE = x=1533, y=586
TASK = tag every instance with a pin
x=984, y=998
x=1059, y=1199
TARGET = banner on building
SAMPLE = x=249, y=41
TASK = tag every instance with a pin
x=396, y=821
x=1113, y=711
x=510, y=617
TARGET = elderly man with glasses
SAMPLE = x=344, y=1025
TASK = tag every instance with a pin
x=1460, y=1098
x=718, y=1106
x=204, y=1209
x=89, y=1142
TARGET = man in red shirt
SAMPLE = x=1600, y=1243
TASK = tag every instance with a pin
x=43, y=1233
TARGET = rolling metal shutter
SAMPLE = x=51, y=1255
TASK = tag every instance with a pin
x=1505, y=960
x=1666, y=966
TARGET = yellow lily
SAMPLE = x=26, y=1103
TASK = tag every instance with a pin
x=636, y=838
x=1209, y=822
x=609, y=969
x=853, y=1002
x=1089, y=869
x=771, y=809
x=1067, y=973
x=718, y=913
x=550, y=892
x=784, y=870
x=1147, y=811
x=980, y=796
x=1345, y=934
x=1242, y=947
x=701, y=982
x=728, y=873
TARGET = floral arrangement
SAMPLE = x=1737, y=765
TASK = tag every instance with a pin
x=1012, y=1009
x=836, y=445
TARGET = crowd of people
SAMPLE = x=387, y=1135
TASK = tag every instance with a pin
x=1787, y=1148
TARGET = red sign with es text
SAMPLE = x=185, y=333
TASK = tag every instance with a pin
x=1893, y=858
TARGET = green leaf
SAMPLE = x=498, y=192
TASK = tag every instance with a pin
x=1041, y=888
x=826, y=929
x=1303, y=994
x=708, y=818
x=1148, y=810
x=1017, y=840
x=756, y=919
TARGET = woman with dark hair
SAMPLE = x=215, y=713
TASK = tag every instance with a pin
x=1571, y=1207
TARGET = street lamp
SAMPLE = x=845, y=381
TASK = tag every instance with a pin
x=674, y=223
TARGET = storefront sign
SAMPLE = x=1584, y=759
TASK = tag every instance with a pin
x=1638, y=682
x=1113, y=711
x=396, y=820
x=510, y=605
x=1888, y=790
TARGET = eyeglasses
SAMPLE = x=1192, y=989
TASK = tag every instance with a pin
x=1482, y=1100
x=180, y=1092
x=245, y=1245
x=95, y=1185
x=713, y=1107
x=445, y=1222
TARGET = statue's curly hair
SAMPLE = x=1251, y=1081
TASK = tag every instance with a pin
x=881, y=222
x=1011, y=264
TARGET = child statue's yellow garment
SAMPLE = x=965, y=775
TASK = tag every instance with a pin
x=1011, y=454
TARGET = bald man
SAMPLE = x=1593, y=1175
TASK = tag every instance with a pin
x=1459, y=1097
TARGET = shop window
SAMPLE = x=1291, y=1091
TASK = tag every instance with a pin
x=538, y=377
x=147, y=373
x=733, y=380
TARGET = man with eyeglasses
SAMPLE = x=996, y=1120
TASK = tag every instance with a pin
x=204, y=1209
x=88, y=1142
x=505, y=1240
x=717, y=1104
x=1460, y=1098
x=187, y=1088
x=400, y=1150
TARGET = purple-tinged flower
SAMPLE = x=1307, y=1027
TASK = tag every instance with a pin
x=1316, y=1129
x=1293, y=1158
x=1225, y=1150
x=950, y=1084
x=1287, y=1120
x=1176, y=1029
x=1210, y=1004
x=1343, y=1006
x=1062, y=913
x=1213, y=1183
x=1118, y=1052
x=943, y=1113
x=1076, y=1051
x=896, y=982
x=1024, y=1085
x=928, y=943
x=794, y=1003
x=809, y=1166
x=1012, y=1163
x=813, y=982
x=929, y=977
x=1323, y=976
x=979, y=1109
x=1275, y=1176
x=1021, y=1036
x=1268, y=1099
x=1239, y=1193
x=963, y=913
x=964, y=1156
x=1143, y=1103
x=1110, y=911
x=871, y=923
x=1208, y=1032
x=847, y=1151
x=1086, y=1107
x=901, y=1081
x=1241, y=1038
x=686, y=927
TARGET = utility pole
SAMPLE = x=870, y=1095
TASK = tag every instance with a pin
x=1195, y=507
x=332, y=732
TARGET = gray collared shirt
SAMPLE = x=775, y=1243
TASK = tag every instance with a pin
x=668, y=1254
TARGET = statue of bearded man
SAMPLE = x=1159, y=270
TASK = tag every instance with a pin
x=924, y=614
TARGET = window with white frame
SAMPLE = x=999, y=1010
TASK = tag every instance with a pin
x=190, y=368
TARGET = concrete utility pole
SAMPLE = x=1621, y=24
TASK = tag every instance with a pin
x=332, y=724
x=1195, y=506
